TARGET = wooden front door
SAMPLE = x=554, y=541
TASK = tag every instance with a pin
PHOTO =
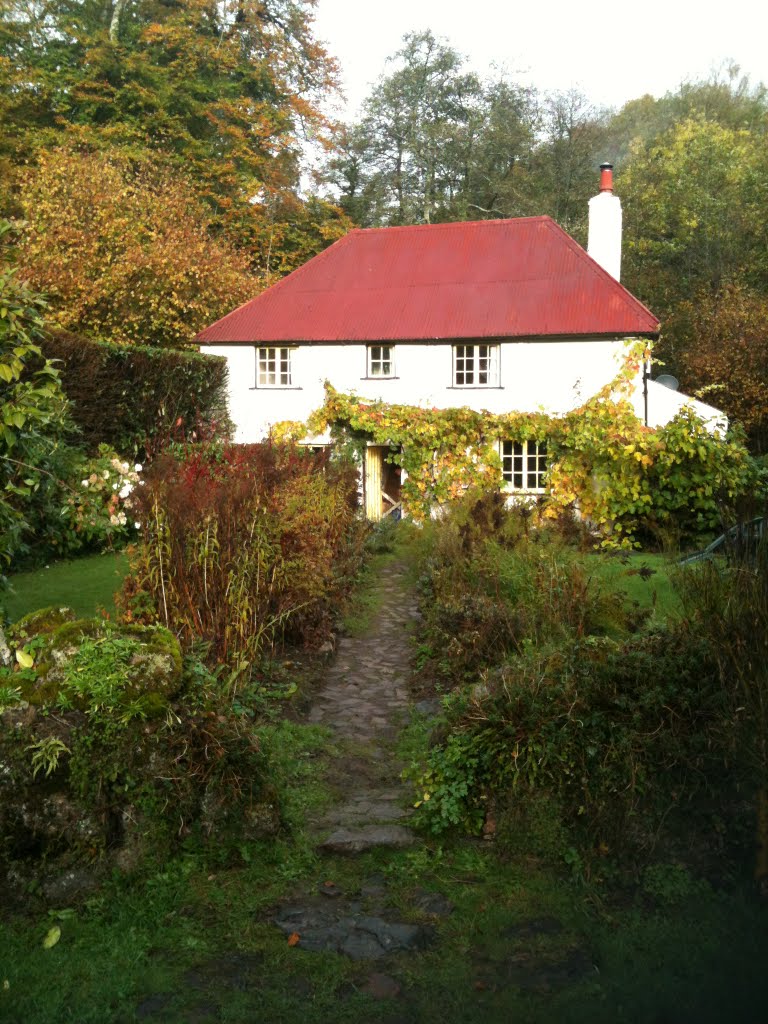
x=381, y=482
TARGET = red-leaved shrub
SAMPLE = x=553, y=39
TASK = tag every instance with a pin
x=244, y=545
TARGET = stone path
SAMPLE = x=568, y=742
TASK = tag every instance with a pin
x=365, y=702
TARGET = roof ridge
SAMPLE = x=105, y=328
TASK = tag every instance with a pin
x=449, y=224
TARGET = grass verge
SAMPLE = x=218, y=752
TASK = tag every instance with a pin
x=643, y=578
x=84, y=584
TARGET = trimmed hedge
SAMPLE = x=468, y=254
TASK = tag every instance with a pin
x=135, y=398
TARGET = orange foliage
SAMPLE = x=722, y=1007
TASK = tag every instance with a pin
x=123, y=249
x=726, y=357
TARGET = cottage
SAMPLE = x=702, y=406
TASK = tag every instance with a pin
x=498, y=315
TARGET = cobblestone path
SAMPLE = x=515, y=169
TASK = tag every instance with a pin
x=365, y=702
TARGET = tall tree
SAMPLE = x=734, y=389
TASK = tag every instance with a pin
x=498, y=180
x=437, y=143
x=726, y=97
x=123, y=249
x=226, y=89
x=724, y=340
x=409, y=157
x=564, y=163
x=694, y=212
x=697, y=252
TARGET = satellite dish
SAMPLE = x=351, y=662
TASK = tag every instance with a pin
x=668, y=381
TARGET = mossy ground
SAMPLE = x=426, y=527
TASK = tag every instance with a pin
x=189, y=942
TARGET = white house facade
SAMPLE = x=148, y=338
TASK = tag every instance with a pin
x=495, y=315
x=271, y=383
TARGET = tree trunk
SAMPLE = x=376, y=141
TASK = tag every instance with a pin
x=114, y=25
x=5, y=651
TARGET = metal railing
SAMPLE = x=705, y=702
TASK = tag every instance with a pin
x=744, y=536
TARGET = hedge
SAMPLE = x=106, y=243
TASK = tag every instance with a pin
x=134, y=398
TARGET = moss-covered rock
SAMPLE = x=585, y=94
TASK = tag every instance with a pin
x=39, y=623
x=20, y=716
x=107, y=759
x=249, y=815
x=93, y=664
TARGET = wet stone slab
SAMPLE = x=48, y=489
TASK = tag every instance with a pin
x=366, y=809
x=359, y=840
x=342, y=927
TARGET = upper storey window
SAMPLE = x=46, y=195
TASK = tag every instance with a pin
x=476, y=366
x=274, y=368
x=381, y=361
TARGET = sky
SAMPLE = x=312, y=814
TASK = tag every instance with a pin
x=611, y=52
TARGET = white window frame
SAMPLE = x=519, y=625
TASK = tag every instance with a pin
x=524, y=465
x=375, y=363
x=274, y=366
x=478, y=362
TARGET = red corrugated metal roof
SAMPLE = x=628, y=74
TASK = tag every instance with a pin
x=479, y=279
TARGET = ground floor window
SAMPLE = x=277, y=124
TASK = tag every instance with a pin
x=523, y=464
x=274, y=368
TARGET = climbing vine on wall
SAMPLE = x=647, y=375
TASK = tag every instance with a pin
x=623, y=476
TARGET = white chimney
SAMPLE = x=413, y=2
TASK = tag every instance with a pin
x=604, y=242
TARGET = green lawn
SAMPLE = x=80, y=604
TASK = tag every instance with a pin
x=644, y=578
x=83, y=584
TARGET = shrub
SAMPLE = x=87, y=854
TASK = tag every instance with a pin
x=628, y=480
x=243, y=544
x=97, y=509
x=499, y=578
x=80, y=504
x=618, y=734
x=113, y=749
x=727, y=604
x=136, y=398
x=44, y=509
x=558, y=702
x=34, y=415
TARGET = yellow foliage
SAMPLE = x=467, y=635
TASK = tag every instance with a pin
x=620, y=474
x=122, y=247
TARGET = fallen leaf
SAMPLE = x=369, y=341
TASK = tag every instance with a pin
x=293, y=939
x=52, y=937
x=24, y=658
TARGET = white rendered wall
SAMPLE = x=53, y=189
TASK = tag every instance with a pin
x=664, y=404
x=552, y=376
